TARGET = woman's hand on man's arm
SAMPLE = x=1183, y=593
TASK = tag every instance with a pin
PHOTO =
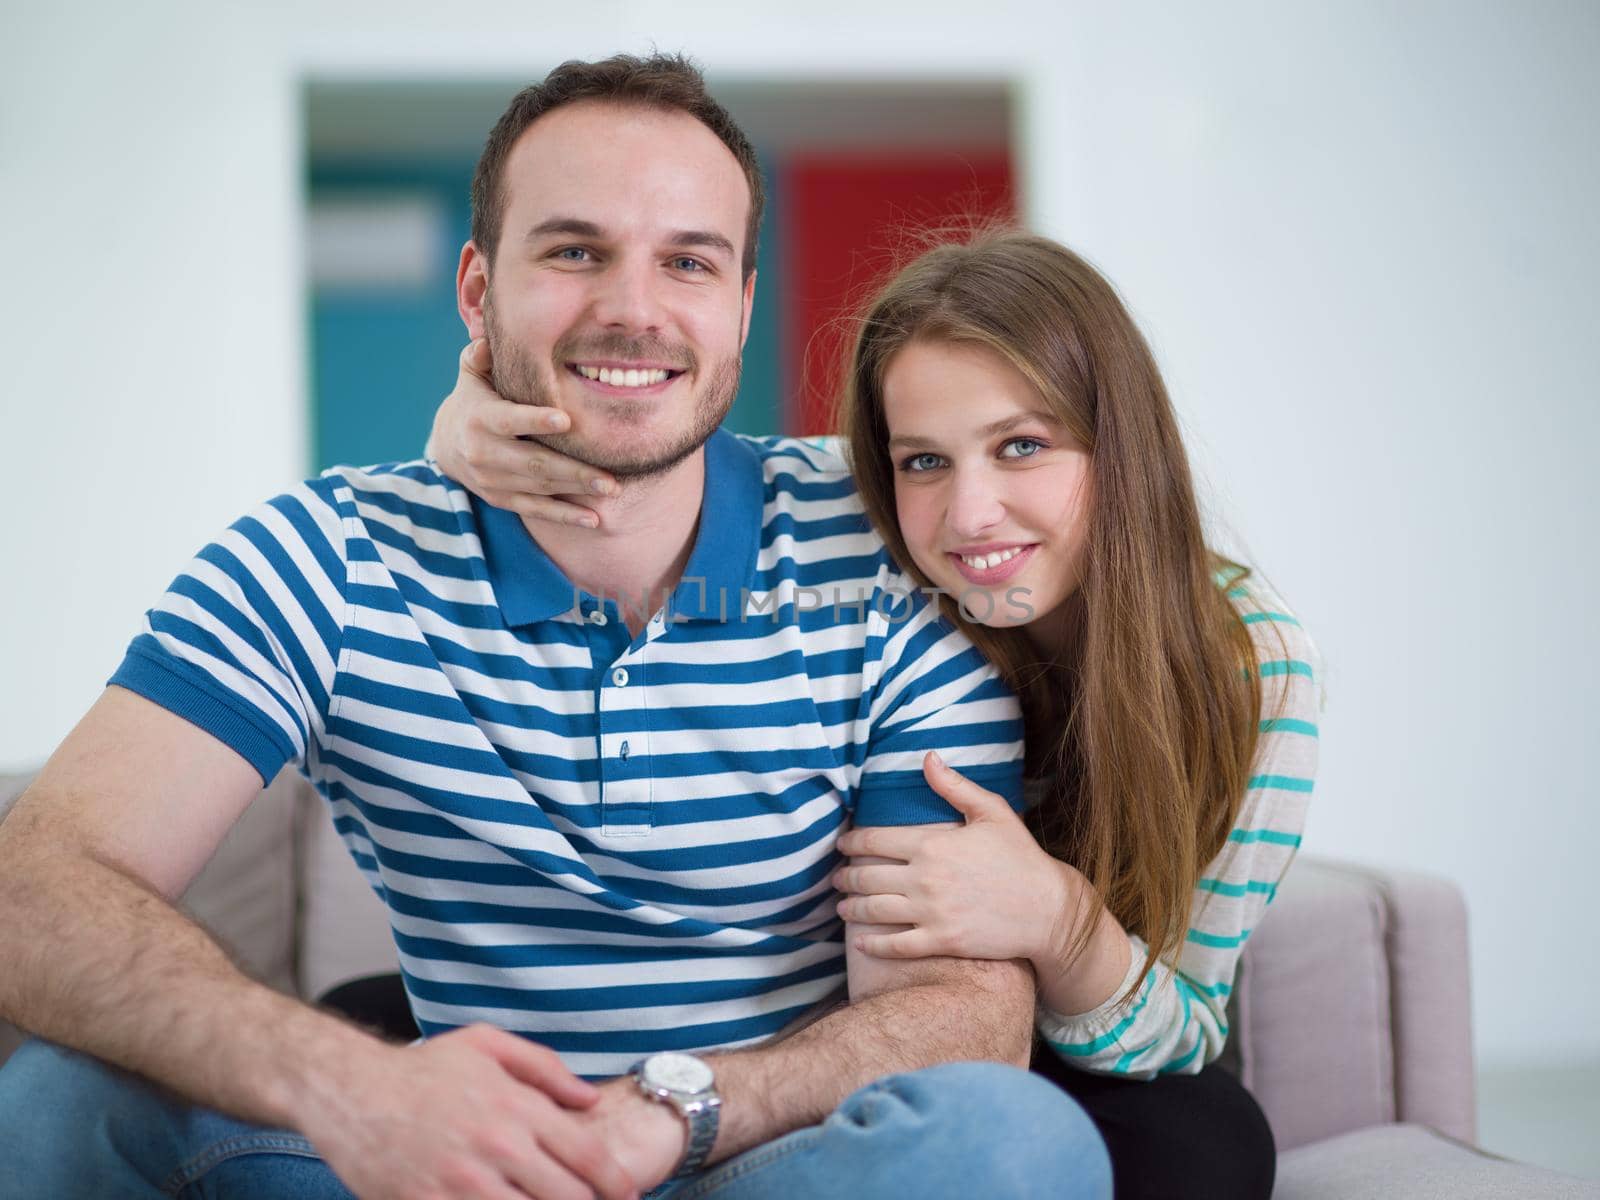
x=983, y=889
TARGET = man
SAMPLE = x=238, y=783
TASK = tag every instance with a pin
x=596, y=776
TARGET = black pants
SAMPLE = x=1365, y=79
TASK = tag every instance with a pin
x=1176, y=1137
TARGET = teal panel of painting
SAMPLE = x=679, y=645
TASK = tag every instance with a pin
x=383, y=358
x=759, y=407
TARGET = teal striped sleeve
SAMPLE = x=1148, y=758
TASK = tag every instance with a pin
x=1177, y=1022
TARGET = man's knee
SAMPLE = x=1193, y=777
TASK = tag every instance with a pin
x=60, y=1108
x=44, y=1082
x=1010, y=1132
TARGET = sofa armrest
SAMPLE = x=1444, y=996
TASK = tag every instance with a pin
x=1351, y=1004
x=1430, y=1000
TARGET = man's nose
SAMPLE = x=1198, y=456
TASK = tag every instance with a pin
x=974, y=506
x=629, y=298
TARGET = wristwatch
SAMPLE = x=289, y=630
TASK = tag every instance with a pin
x=688, y=1084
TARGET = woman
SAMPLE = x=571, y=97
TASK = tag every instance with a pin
x=1013, y=443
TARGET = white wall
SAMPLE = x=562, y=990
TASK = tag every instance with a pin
x=1357, y=235
x=1363, y=243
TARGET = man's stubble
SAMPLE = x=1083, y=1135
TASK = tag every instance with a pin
x=518, y=377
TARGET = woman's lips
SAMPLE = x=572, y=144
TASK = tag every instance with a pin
x=989, y=576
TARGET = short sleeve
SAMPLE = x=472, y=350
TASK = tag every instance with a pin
x=934, y=691
x=245, y=642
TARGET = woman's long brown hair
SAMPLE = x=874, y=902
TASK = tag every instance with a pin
x=1144, y=726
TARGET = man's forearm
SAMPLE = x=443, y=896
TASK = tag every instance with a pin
x=94, y=960
x=986, y=1014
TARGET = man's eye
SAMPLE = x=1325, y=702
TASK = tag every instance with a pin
x=918, y=464
x=1025, y=447
x=685, y=263
x=572, y=254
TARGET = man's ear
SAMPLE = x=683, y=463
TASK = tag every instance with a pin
x=749, y=300
x=472, y=285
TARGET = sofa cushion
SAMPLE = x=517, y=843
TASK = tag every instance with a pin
x=343, y=926
x=245, y=894
x=1413, y=1162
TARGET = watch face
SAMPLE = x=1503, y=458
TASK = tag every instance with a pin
x=677, y=1072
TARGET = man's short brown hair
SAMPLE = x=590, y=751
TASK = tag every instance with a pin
x=662, y=81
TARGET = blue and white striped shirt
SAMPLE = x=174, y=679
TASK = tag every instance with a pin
x=612, y=844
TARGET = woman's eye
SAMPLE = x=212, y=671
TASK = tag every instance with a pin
x=918, y=463
x=1025, y=448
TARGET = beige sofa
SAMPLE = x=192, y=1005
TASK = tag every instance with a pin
x=1350, y=1017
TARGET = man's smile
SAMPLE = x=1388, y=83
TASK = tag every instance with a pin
x=625, y=378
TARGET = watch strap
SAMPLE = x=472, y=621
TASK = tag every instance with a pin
x=704, y=1116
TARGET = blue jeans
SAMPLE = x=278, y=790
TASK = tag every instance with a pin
x=74, y=1127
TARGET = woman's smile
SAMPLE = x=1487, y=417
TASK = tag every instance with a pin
x=985, y=568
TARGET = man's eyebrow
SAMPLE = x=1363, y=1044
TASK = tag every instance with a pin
x=571, y=226
x=701, y=237
x=988, y=431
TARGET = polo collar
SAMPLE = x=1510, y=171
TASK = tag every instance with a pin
x=722, y=565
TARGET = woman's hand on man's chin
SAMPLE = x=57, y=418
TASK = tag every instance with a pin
x=490, y=446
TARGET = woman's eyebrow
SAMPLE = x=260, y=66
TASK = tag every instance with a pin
x=988, y=431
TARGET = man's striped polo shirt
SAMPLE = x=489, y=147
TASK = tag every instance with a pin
x=611, y=844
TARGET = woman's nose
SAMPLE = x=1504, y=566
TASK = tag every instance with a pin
x=974, y=506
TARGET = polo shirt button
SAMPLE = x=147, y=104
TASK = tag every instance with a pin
x=620, y=677
x=597, y=617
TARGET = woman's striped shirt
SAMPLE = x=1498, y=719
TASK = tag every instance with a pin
x=1177, y=1022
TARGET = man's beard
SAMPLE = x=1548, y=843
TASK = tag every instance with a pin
x=517, y=377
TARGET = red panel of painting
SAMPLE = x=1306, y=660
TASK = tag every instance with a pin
x=849, y=219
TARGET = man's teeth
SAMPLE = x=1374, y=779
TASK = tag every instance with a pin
x=984, y=562
x=623, y=377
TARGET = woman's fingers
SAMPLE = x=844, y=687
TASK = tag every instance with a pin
x=544, y=469
x=910, y=943
x=877, y=910
x=508, y=419
x=886, y=841
x=544, y=508
x=971, y=801
x=499, y=443
x=475, y=357
x=533, y=420
x=539, y=468
x=872, y=880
